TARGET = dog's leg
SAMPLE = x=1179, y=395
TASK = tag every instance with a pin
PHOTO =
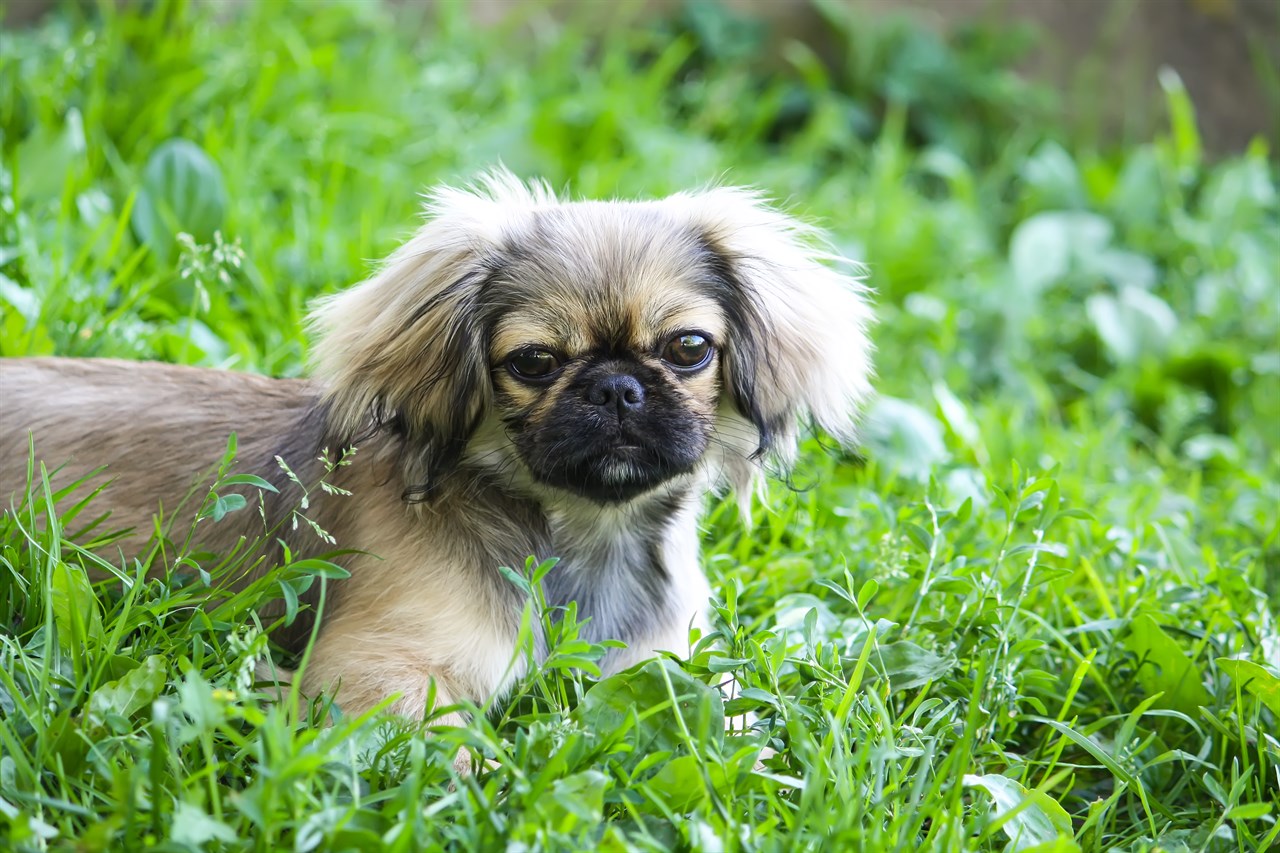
x=412, y=703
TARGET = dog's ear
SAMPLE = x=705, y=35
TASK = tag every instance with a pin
x=798, y=345
x=407, y=350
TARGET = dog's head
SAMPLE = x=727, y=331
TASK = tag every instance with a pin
x=603, y=349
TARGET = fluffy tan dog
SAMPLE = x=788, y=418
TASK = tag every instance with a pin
x=526, y=376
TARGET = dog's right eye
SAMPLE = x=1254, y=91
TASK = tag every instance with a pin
x=533, y=364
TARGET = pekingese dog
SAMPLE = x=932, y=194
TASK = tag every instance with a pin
x=526, y=376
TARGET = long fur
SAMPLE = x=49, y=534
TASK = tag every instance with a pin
x=455, y=473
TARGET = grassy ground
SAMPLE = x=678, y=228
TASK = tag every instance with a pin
x=1042, y=611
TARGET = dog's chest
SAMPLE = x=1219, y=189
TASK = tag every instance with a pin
x=623, y=576
x=633, y=572
x=623, y=587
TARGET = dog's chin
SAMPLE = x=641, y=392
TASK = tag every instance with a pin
x=618, y=475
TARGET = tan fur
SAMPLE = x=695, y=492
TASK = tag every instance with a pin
x=411, y=366
x=156, y=429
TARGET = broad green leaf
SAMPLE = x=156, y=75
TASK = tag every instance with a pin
x=1133, y=324
x=24, y=301
x=76, y=613
x=1052, y=177
x=196, y=701
x=905, y=438
x=1211, y=447
x=1165, y=668
x=1031, y=818
x=1237, y=194
x=1256, y=275
x=182, y=190
x=1255, y=679
x=969, y=487
x=574, y=801
x=226, y=504
x=681, y=783
x=132, y=692
x=917, y=534
x=644, y=694
x=1044, y=248
x=193, y=826
x=908, y=665
x=947, y=165
x=1138, y=193
x=791, y=610
x=1124, y=268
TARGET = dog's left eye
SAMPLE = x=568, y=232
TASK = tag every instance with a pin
x=687, y=351
x=533, y=364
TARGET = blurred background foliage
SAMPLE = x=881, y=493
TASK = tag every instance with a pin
x=1009, y=256
x=1074, y=326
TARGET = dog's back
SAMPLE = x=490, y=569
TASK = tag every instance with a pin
x=154, y=430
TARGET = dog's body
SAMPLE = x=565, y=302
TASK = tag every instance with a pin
x=525, y=378
x=379, y=637
x=154, y=428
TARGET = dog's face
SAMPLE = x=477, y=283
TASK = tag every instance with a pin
x=600, y=349
x=605, y=353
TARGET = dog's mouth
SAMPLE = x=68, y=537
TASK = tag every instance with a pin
x=617, y=473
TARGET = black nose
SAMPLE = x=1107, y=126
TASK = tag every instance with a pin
x=618, y=393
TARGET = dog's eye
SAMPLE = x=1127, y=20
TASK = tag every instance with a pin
x=533, y=364
x=687, y=351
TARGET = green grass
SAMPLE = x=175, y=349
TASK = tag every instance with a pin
x=1043, y=610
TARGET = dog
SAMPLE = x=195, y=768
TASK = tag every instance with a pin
x=526, y=376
